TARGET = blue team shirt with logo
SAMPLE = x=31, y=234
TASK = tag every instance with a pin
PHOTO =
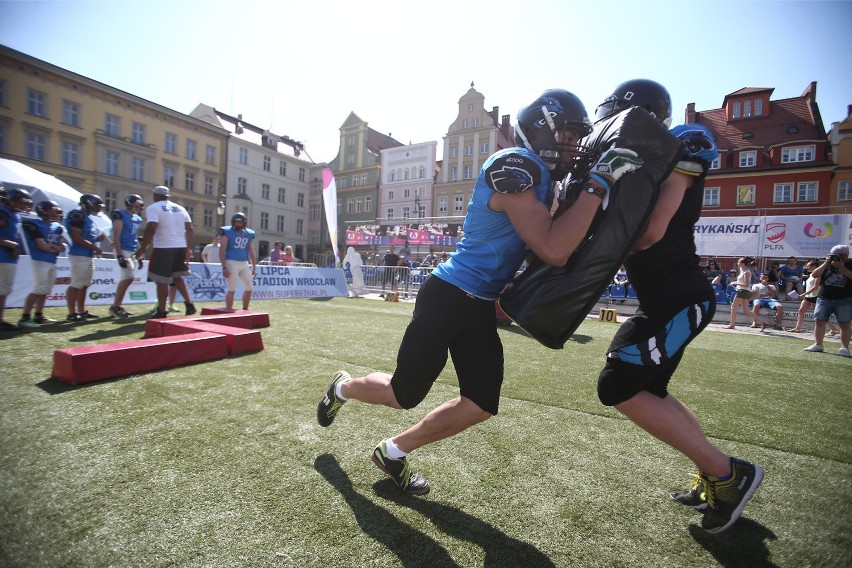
x=88, y=231
x=238, y=243
x=130, y=223
x=49, y=231
x=10, y=231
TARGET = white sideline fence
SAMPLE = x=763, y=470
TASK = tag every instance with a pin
x=381, y=278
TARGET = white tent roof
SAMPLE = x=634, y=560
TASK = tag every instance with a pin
x=42, y=186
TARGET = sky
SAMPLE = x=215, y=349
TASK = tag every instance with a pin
x=300, y=68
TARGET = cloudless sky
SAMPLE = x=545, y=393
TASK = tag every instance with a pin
x=299, y=68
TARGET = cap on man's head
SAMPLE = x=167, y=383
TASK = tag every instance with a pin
x=840, y=249
x=161, y=190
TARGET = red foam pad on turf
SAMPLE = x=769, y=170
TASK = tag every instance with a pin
x=88, y=363
x=154, y=327
x=239, y=340
x=260, y=319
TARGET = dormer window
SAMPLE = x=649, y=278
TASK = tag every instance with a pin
x=735, y=113
x=798, y=154
x=758, y=107
x=748, y=159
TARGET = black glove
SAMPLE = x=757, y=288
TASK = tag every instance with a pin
x=139, y=264
x=122, y=262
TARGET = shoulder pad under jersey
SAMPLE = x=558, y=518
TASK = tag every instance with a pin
x=513, y=173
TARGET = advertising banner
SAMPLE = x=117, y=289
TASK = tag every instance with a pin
x=427, y=234
x=205, y=283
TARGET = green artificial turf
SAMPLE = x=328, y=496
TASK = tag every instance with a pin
x=223, y=463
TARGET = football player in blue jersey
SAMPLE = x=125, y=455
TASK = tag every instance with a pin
x=85, y=237
x=237, y=257
x=13, y=202
x=45, y=242
x=508, y=215
x=125, y=232
x=675, y=305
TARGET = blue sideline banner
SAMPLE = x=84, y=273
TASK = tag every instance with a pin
x=205, y=283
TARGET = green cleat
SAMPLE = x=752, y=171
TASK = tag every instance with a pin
x=400, y=472
x=329, y=405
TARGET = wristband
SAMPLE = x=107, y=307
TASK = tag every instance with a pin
x=593, y=189
x=600, y=180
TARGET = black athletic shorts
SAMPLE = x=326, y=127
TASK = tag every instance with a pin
x=648, y=347
x=166, y=263
x=448, y=320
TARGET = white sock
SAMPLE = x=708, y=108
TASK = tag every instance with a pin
x=394, y=453
x=337, y=391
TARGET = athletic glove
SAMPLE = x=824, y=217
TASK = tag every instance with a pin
x=139, y=264
x=122, y=262
x=613, y=164
x=698, y=142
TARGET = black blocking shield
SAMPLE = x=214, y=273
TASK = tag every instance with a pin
x=550, y=302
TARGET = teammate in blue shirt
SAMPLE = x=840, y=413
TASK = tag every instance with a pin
x=125, y=232
x=85, y=237
x=13, y=202
x=235, y=254
x=508, y=213
x=45, y=242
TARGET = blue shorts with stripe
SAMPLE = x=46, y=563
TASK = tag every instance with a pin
x=648, y=347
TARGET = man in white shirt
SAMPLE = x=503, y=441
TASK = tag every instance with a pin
x=767, y=298
x=169, y=228
x=211, y=251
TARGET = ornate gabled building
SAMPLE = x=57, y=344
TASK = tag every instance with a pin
x=99, y=139
x=267, y=179
x=774, y=155
x=357, y=172
x=472, y=137
x=841, y=146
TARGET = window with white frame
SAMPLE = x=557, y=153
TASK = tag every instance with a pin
x=798, y=154
x=350, y=205
x=244, y=156
x=138, y=169
x=389, y=213
x=458, y=203
x=483, y=148
x=110, y=200
x=746, y=108
x=36, y=103
x=735, y=113
x=350, y=160
x=208, y=185
x=138, y=133
x=468, y=172
x=169, y=176
x=405, y=174
x=70, y=113
x=279, y=224
x=406, y=193
x=264, y=190
x=390, y=195
x=302, y=173
x=464, y=123
x=406, y=212
x=454, y=152
x=70, y=155
x=807, y=191
x=300, y=227
x=36, y=147
x=264, y=220
x=442, y=204
x=758, y=107
x=453, y=174
x=171, y=143
x=469, y=107
x=475, y=122
x=282, y=168
x=468, y=150
x=359, y=204
x=189, y=181
x=716, y=163
x=111, y=164
x=783, y=193
x=363, y=179
x=267, y=164
x=210, y=154
x=844, y=190
x=112, y=125
x=711, y=197
x=300, y=200
x=745, y=194
x=242, y=185
x=421, y=173
x=314, y=213
x=208, y=217
x=392, y=176
x=190, y=149
x=368, y=203
x=748, y=158
x=282, y=195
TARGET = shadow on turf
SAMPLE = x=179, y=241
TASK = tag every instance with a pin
x=741, y=546
x=412, y=547
x=517, y=330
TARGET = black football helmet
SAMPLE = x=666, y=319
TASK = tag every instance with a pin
x=134, y=199
x=91, y=203
x=19, y=199
x=541, y=124
x=48, y=210
x=644, y=93
x=238, y=216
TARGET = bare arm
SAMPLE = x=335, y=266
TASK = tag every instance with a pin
x=188, y=228
x=147, y=237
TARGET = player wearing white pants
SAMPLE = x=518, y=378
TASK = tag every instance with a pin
x=237, y=257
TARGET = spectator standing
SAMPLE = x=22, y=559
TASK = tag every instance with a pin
x=169, y=230
x=13, y=202
x=430, y=259
x=835, y=297
x=44, y=241
x=390, y=261
x=809, y=298
x=287, y=257
x=235, y=255
x=743, y=292
x=275, y=254
x=125, y=232
x=210, y=252
x=85, y=237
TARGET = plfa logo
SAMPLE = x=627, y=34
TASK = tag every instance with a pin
x=776, y=232
x=815, y=232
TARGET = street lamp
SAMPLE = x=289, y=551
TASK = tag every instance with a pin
x=221, y=207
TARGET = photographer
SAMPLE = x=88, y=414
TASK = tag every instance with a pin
x=835, y=297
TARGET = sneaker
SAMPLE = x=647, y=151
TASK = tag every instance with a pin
x=815, y=348
x=75, y=318
x=160, y=315
x=28, y=323
x=43, y=320
x=330, y=404
x=726, y=499
x=173, y=309
x=190, y=308
x=118, y=312
x=400, y=472
x=694, y=498
x=153, y=308
x=844, y=352
x=88, y=316
x=6, y=326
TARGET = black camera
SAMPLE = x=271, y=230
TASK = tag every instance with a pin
x=834, y=257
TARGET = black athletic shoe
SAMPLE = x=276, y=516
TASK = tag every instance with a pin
x=88, y=316
x=399, y=471
x=190, y=308
x=160, y=315
x=694, y=498
x=726, y=499
x=75, y=318
x=330, y=404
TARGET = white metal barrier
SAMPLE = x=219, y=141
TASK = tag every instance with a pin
x=379, y=279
